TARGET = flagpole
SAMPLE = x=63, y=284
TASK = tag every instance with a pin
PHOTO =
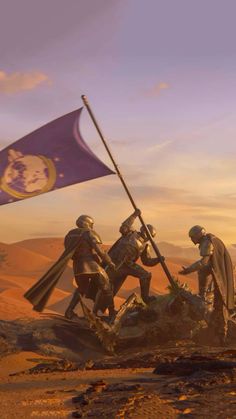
x=163, y=264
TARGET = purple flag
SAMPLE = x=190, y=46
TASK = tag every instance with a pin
x=49, y=158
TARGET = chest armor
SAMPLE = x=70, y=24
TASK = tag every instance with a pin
x=134, y=247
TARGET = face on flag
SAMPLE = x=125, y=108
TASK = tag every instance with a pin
x=52, y=157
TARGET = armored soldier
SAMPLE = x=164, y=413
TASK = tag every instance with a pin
x=83, y=246
x=125, y=253
x=214, y=268
x=87, y=259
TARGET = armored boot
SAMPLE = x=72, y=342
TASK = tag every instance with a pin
x=98, y=301
x=111, y=308
x=69, y=313
x=145, y=286
x=205, y=283
x=104, y=299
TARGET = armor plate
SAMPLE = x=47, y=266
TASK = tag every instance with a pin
x=206, y=247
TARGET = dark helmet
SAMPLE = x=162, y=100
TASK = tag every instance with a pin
x=196, y=233
x=150, y=228
x=85, y=221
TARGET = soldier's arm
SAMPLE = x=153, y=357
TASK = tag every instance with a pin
x=96, y=242
x=126, y=226
x=198, y=265
x=206, y=251
x=147, y=259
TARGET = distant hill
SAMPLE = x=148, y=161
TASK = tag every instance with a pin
x=188, y=253
x=171, y=250
x=51, y=247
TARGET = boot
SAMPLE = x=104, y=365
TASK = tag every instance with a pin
x=69, y=313
x=145, y=286
x=97, y=302
x=112, y=315
x=111, y=310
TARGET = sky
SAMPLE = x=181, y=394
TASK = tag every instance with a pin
x=160, y=78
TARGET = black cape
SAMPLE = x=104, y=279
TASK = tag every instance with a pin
x=117, y=278
x=222, y=271
x=39, y=294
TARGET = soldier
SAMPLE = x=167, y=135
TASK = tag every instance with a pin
x=214, y=266
x=126, y=251
x=88, y=272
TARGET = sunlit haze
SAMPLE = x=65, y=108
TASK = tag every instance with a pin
x=160, y=78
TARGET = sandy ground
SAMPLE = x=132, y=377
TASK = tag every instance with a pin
x=112, y=393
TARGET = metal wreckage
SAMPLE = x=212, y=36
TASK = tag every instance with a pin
x=178, y=315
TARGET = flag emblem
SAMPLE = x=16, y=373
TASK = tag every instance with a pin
x=27, y=175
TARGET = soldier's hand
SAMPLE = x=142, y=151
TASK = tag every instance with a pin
x=162, y=258
x=112, y=266
x=184, y=271
x=137, y=212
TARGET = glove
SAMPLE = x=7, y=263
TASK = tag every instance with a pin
x=185, y=271
x=162, y=258
x=137, y=212
x=112, y=266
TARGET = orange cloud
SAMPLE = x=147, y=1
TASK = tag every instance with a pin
x=18, y=82
x=156, y=89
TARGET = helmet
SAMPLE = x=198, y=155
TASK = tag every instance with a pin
x=196, y=233
x=150, y=228
x=85, y=221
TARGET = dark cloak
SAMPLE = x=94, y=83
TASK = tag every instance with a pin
x=39, y=294
x=118, y=276
x=222, y=271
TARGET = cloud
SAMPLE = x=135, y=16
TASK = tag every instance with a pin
x=155, y=90
x=17, y=82
x=120, y=143
x=158, y=147
x=3, y=143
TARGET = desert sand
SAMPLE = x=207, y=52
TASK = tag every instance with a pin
x=52, y=368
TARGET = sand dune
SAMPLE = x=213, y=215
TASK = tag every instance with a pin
x=5, y=284
x=52, y=247
x=20, y=281
x=15, y=259
x=13, y=304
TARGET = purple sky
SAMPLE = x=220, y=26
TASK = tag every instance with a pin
x=160, y=76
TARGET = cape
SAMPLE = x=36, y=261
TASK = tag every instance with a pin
x=222, y=271
x=117, y=278
x=39, y=294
